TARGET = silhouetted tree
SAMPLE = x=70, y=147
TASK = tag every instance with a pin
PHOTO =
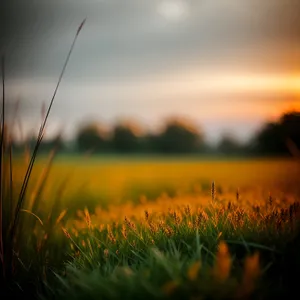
x=290, y=123
x=229, y=145
x=124, y=139
x=54, y=143
x=90, y=138
x=273, y=138
x=179, y=137
x=47, y=144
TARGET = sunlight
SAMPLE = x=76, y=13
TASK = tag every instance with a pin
x=240, y=82
x=173, y=10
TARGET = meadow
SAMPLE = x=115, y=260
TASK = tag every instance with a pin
x=157, y=228
x=136, y=227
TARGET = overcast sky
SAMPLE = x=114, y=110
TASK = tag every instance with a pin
x=228, y=65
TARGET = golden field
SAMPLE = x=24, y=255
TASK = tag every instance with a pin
x=159, y=227
x=127, y=186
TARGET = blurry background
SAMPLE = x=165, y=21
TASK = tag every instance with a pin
x=220, y=69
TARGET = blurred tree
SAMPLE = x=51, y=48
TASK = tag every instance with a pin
x=229, y=145
x=290, y=123
x=54, y=143
x=275, y=138
x=179, y=136
x=125, y=138
x=47, y=144
x=91, y=137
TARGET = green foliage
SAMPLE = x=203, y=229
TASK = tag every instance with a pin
x=160, y=255
x=179, y=258
x=89, y=138
x=124, y=140
x=177, y=137
x=228, y=145
x=276, y=138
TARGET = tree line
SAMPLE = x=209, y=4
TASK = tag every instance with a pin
x=281, y=137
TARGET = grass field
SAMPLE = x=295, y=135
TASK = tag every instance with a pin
x=157, y=228
x=114, y=180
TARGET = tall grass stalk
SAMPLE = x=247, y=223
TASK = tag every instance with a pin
x=40, y=136
x=8, y=228
x=1, y=164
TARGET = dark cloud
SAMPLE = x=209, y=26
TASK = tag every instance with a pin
x=123, y=38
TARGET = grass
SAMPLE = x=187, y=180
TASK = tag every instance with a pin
x=94, y=181
x=160, y=230
x=215, y=250
x=12, y=241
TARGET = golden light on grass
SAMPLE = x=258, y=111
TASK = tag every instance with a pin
x=194, y=270
x=251, y=274
x=222, y=266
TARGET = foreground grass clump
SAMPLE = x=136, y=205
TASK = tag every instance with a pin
x=217, y=251
x=196, y=240
x=24, y=256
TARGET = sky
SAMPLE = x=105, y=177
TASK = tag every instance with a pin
x=226, y=65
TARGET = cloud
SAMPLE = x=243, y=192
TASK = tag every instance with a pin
x=128, y=51
x=131, y=39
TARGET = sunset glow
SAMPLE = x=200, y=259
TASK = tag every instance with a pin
x=161, y=59
x=193, y=81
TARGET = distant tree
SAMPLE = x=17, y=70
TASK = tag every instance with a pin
x=125, y=139
x=179, y=136
x=290, y=123
x=91, y=138
x=151, y=143
x=229, y=145
x=269, y=140
x=54, y=143
x=274, y=138
x=46, y=145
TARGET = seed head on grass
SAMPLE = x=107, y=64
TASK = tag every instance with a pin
x=130, y=224
x=187, y=210
x=176, y=218
x=201, y=218
x=168, y=231
x=87, y=218
x=146, y=215
x=213, y=191
x=61, y=216
x=112, y=237
x=270, y=200
x=65, y=231
x=237, y=194
x=153, y=227
x=124, y=232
